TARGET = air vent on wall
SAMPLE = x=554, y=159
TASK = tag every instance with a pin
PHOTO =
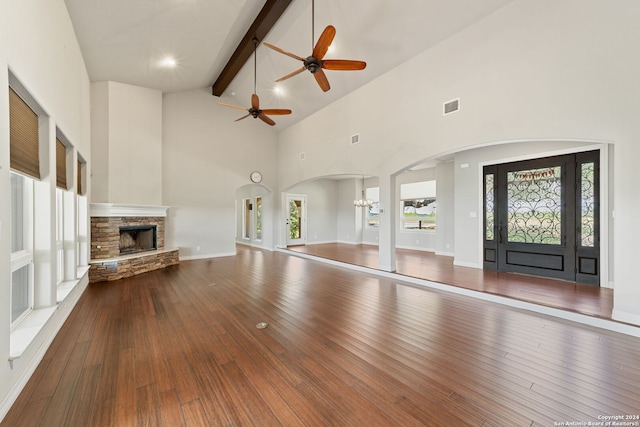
x=355, y=139
x=451, y=106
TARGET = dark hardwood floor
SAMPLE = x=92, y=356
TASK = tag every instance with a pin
x=584, y=299
x=180, y=346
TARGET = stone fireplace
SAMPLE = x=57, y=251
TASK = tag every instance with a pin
x=127, y=240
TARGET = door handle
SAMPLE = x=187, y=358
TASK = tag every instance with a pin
x=500, y=229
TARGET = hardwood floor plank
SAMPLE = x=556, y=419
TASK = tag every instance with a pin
x=61, y=400
x=80, y=408
x=194, y=414
x=148, y=407
x=170, y=409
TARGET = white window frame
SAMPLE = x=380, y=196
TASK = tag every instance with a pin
x=24, y=257
x=412, y=192
x=59, y=235
x=258, y=218
x=373, y=194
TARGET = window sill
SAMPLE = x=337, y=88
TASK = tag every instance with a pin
x=28, y=329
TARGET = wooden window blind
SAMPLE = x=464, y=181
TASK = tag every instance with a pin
x=80, y=186
x=61, y=165
x=23, y=128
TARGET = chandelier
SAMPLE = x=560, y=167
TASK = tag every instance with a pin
x=362, y=202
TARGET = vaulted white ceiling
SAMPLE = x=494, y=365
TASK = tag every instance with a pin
x=127, y=41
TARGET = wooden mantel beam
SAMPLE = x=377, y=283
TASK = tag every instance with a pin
x=266, y=19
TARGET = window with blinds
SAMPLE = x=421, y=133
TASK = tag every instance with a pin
x=80, y=180
x=24, y=146
x=61, y=165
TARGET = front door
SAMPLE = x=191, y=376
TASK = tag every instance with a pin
x=541, y=217
x=296, y=220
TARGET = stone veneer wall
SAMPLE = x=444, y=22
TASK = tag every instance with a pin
x=130, y=266
x=106, y=262
x=105, y=232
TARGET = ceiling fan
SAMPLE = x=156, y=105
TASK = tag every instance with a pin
x=255, y=110
x=315, y=63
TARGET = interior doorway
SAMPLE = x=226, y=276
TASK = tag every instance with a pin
x=541, y=217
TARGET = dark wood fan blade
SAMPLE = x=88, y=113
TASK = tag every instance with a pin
x=232, y=106
x=343, y=64
x=322, y=80
x=276, y=111
x=255, y=101
x=277, y=49
x=322, y=46
x=266, y=119
x=243, y=117
x=298, y=71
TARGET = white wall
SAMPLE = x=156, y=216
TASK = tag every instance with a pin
x=206, y=157
x=445, y=192
x=350, y=220
x=127, y=128
x=38, y=45
x=536, y=71
x=322, y=209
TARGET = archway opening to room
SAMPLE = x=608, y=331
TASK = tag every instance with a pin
x=333, y=216
x=254, y=216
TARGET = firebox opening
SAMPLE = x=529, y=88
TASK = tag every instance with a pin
x=134, y=239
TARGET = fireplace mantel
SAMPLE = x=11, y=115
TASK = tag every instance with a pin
x=121, y=210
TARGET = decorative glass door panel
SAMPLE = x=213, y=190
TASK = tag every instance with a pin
x=534, y=206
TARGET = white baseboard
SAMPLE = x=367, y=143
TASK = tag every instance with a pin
x=449, y=254
x=348, y=242
x=467, y=264
x=319, y=242
x=413, y=248
x=623, y=316
x=205, y=256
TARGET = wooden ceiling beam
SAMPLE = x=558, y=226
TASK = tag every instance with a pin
x=266, y=19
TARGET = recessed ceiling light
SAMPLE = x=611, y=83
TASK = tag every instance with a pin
x=169, y=62
x=277, y=89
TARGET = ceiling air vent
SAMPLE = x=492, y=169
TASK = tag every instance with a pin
x=451, y=106
x=355, y=139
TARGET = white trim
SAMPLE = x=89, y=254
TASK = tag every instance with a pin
x=414, y=248
x=467, y=264
x=320, y=242
x=219, y=255
x=623, y=316
x=449, y=254
x=115, y=210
